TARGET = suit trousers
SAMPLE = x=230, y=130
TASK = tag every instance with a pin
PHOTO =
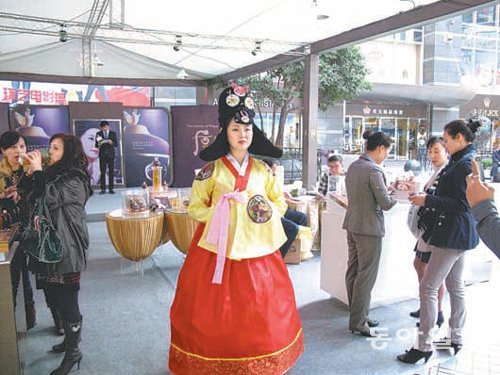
x=109, y=164
x=445, y=265
x=362, y=269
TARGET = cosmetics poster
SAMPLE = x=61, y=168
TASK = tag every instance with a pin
x=193, y=129
x=38, y=123
x=87, y=130
x=146, y=137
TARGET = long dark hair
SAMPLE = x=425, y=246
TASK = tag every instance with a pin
x=373, y=140
x=73, y=157
x=10, y=138
x=467, y=129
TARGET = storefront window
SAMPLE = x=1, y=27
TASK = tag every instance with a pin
x=468, y=18
x=402, y=138
x=387, y=125
x=486, y=16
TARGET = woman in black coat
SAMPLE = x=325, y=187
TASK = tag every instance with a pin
x=449, y=230
x=65, y=185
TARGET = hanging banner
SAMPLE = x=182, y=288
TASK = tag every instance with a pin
x=193, y=129
x=38, y=123
x=44, y=93
x=146, y=137
x=87, y=130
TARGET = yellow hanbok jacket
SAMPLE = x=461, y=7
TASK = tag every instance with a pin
x=255, y=227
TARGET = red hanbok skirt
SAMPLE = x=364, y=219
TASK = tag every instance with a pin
x=249, y=324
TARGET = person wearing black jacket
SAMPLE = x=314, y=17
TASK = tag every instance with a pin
x=449, y=231
x=65, y=186
x=106, y=141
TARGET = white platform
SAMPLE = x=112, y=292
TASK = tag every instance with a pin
x=397, y=279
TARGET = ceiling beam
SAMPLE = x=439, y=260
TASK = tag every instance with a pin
x=415, y=17
x=33, y=77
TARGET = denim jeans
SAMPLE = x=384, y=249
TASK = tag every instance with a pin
x=291, y=222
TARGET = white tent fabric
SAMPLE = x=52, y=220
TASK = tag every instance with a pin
x=137, y=40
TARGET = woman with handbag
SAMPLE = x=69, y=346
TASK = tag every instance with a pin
x=436, y=152
x=64, y=187
x=13, y=147
x=448, y=232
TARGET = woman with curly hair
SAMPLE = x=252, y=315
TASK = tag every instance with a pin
x=65, y=186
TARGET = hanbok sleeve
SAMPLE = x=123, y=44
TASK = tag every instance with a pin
x=275, y=193
x=201, y=195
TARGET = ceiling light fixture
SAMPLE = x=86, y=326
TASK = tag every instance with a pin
x=257, y=48
x=63, y=34
x=182, y=74
x=178, y=43
x=316, y=10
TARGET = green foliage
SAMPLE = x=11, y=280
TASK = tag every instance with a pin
x=487, y=163
x=342, y=76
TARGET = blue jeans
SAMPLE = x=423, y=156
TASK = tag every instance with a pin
x=291, y=222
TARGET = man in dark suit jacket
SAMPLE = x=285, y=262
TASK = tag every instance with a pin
x=106, y=141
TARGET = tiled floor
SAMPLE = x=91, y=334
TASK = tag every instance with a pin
x=126, y=320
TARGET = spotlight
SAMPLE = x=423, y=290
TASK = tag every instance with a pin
x=178, y=43
x=63, y=34
x=182, y=74
x=257, y=48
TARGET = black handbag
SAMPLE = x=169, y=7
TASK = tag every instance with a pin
x=39, y=237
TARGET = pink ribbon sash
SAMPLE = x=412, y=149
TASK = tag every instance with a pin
x=218, y=231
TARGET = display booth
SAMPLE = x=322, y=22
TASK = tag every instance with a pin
x=397, y=279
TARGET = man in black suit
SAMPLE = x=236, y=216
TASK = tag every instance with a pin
x=106, y=141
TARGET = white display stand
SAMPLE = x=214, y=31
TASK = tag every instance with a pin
x=397, y=279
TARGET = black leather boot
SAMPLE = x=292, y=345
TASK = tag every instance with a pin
x=73, y=332
x=57, y=320
x=61, y=348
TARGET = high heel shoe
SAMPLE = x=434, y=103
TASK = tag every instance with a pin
x=456, y=348
x=414, y=355
x=415, y=314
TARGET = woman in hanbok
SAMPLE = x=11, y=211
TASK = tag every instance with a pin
x=234, y=311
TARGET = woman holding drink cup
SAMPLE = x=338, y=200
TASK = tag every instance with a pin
x=13, y=147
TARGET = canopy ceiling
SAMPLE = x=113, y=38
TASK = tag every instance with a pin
x=134, y=40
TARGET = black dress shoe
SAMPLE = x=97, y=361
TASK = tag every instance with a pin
x=415, y=314
x=414, y=355
x=372, y=323
x=102, y=192
x=363, y=331
x=111, y=192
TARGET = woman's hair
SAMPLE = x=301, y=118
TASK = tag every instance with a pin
x=467, y=129
x=375, y=139
x=9, y=138
x=73, y=155
x=435, y=139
